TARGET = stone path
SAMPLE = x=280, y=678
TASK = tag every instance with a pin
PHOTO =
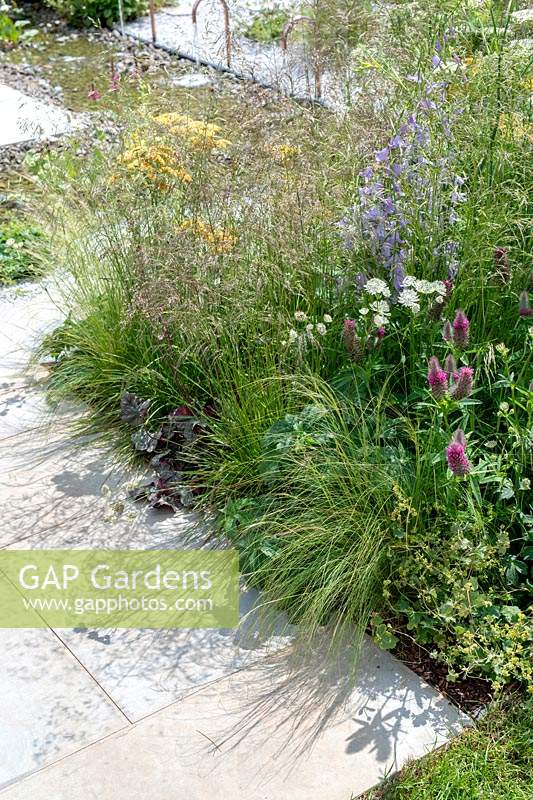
x=26, y=119
x=132, y=715
x=291, y=72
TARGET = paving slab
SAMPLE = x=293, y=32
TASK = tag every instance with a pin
x=50, y=706
x=26, y=119
x=283, y=730
x=145, y=670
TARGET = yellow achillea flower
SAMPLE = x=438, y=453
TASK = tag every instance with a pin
x=157, y=162
x=199, y=135
x=514, y=126
x=217, y=239
x=472, y=64
x=284, y=153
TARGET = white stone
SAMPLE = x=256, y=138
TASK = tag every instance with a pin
x=27, y=119
x=193, y=80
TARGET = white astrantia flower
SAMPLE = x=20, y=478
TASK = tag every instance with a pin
x=309, y=328
x=380, y=307
x=379, y=320
x=292, y=335
x=424, y=287
x=363, y=311
x=408, y=298
x=327, y=319
x=525, y=484
x=321, y=328
x=300, y=316
x=377, y=287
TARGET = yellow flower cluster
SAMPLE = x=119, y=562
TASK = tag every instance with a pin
x=403, y=506
x=472, y=64
x=157, y=162
x=199, y=135
x=514, y=126
x=284, y=153
x=506, y=646
x=217, y=239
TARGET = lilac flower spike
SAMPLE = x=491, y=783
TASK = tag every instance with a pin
x=456, y=454
x=447, y=332
x=464, y=383
x=437, y=378
x=461, y=327
x=524, y=308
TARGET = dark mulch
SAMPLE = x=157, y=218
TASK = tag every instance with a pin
x=470, y=694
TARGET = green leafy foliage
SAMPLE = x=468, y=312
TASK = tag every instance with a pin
x=20, y=251
x=267, y=25
x=97, y=12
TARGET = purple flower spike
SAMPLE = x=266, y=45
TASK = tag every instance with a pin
x=464, y=383
x=461, y=327
x=524, y=308
x=398, y=278
x=456, y=454
x=437, y=378
x=447, y=332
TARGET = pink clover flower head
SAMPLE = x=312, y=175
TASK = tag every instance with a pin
x=351, y=342
x=461, y=327
x=437, y=378
x=94, y=94
x=456, y=454
x=464, y=383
